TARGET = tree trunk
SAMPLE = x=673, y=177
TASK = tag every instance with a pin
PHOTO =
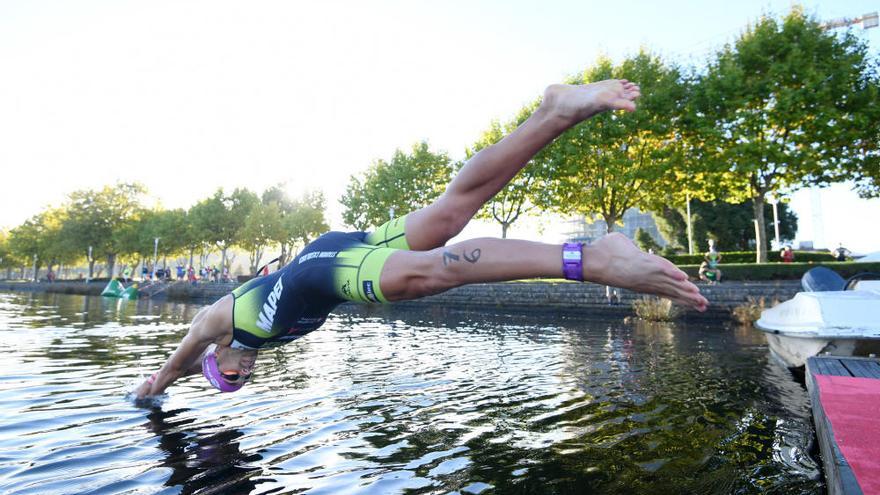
x=91, y=269
x=282, y=259
x=111, y=264
x=223, y=258
x=610, y=223
x=192, y=252
x=760, y=228
x=504, y=227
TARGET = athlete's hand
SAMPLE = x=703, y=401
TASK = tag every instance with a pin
x=144, y=389
x=614, y=260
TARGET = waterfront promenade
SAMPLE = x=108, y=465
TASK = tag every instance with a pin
x=555, y=296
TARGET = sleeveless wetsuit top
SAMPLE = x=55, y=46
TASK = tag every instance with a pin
x=291, y=302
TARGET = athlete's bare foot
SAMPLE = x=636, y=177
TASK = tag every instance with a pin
x=614, y=260
x=576, y=103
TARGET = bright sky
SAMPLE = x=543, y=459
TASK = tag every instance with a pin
x=188, y=96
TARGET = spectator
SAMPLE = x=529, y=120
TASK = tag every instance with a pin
x=841, y=253
x=709, y=270
x=180, y=272
x=787, y=255
x=191, y=274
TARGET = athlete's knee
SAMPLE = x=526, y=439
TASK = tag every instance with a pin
x=452, y=217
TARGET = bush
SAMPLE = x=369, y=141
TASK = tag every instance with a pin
x=749, y=257
x=781, y=271
x=655, y=309
x=748, y=312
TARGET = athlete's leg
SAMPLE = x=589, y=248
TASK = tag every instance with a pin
x=492, y=168
x=613, y=260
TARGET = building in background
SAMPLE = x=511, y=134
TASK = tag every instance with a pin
x=585, y=230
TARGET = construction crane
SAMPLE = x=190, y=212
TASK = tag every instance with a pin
x=869, y=20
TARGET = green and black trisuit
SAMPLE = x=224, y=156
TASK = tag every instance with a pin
x=334, y=268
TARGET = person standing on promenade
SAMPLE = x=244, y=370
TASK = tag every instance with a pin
x=407, y=258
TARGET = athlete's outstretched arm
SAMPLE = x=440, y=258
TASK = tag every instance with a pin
x=211, y=325
x=613, y=260
x=487, y=172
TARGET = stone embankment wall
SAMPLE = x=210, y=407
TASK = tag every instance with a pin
x=562, y=297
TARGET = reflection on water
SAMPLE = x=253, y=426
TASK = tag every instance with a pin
x=392, y=401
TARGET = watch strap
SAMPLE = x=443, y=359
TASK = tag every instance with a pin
x=572, y=263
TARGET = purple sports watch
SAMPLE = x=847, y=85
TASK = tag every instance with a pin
x=572, y=266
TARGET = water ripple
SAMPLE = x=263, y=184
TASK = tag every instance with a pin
x=392, y=401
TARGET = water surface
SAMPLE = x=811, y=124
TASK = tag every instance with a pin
x=392, y=401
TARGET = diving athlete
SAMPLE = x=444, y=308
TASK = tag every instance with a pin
x=407, y=258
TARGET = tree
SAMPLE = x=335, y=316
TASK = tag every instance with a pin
x=404, y=184
x=137, y=238
x=514, y=200
x=785, y=106
x=261, y=226
x=613, y=161
x=730, y=224
x=7, y=259
x=219, y=219
x=39, y=241
x=645, y=241
x=304, y=222
x=301, y=219
x=95, y=218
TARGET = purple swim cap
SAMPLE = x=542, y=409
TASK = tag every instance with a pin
x=212, y=373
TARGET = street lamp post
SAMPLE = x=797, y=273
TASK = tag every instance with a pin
x=690, y=229
x=775, y=201
x=89, y=278
x=155, y=256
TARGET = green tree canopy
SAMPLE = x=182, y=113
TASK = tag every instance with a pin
x=514, y=200
x=39, y=240
x=788, y=105
x=96, y=218
x=218, y=220
x=407, y=182
x=615, y=161
x=263, y=224
x=301, y=219
x=730, y=224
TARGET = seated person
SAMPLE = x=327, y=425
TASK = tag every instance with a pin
x=786, y=255
x=841, y=253
x=709, y=274
x=709, y=270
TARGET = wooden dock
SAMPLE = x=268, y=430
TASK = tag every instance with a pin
x=845, y=396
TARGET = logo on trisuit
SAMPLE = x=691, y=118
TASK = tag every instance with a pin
x=368, y=291
x=267, y=314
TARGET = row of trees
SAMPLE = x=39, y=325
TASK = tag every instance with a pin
x=787, y=105
x=113, y=225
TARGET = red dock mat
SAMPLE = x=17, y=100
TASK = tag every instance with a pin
x=853, y=407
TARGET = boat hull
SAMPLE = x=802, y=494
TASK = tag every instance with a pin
x=839, y=323
x=794, y=351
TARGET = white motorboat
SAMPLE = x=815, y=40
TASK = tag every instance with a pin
x=832, y=315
